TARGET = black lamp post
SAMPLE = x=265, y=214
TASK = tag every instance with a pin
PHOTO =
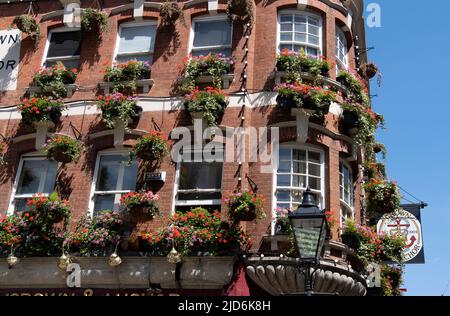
x=309, y=225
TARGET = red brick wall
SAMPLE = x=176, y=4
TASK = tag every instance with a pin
x=168, y=56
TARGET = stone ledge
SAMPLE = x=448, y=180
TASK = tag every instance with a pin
x=134, y=272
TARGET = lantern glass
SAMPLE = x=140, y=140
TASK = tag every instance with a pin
x=309, y=233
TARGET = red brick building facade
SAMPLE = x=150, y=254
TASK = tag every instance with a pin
x=252, y=102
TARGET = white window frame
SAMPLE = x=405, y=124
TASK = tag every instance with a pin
x=341, y=63
x=109, y=152
x=346, y=208
x=209, y=18
x=304, y=13
x=150, y=52
x=47, y=46
x=321, y=195
x=14, y=196
x=176, y=202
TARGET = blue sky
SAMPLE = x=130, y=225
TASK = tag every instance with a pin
x=412, y=49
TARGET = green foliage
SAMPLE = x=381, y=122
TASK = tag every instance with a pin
x=357, y=91
x=65, y=146
x=40, y=110
x=306, y=97
x=214, y=65
x=295, y=63
x=97, y=235
x=146, y=202
x=391, y=280
x=241, y=203
x=367, y=122
x=196, y=232
x=381, y=196
x=28, y=25
x=36, y=230
x=125, y=75
x=170, y=12
x=52, y=80
x=153, y=146
x=93, y=20
x=242, y=9
x=211, y=102
x=117, y=107
x=371, y=247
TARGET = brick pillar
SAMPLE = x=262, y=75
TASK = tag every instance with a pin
x=333, y=186
x=329, y=40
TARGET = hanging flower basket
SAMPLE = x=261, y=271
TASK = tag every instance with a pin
x=151, y=147
x=117, y=107
x=170, y=12
x=245, y=206
x=63, y=149
x=371, y=70
x=93, y=20
x=28, y=25
x=210, y=102
x=382, y=197
x=43, y=109
x=141, y=203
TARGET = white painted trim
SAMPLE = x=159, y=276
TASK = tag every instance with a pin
x=47, y=43
x=343, y=63
x=208, y=18
x=138, y=9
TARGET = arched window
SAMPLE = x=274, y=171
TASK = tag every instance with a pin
x=341, y=49
x=298, y=168
x=211, y=34
x=113, y=177
x=346, y=192
x=300, y=31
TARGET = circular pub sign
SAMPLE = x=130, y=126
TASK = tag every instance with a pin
x=407, y=225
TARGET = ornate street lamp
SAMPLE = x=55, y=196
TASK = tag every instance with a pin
x=309, y=225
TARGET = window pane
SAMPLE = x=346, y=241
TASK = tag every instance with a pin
x=314, y=183
x=130, y=176
x=300, y=19
x=284, y=181
x=313, y=40
x=37, y=176
x=299, y=155
x=314, y=169
x=285, y=46
x=212, y=33
x=20, y=205
x=284, y=166
x=200, y=175
x=300, y=167
x=137, y=39
x=314, y=30
x=109, y=172
x=300, y=28
x=285, y=27
x=286, y=36
x=299, y=37
x=312, y=51
x=283, y=196
x=286, y=18
x=314, y=157
x=104, y=202
x=299, y=181
x=64, y=44
x=285, y=154
x=297, y=196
